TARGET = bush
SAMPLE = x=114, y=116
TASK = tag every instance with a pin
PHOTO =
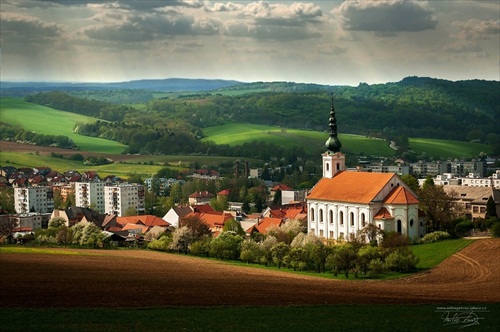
x=226, y=246
x=401, y=262
x=201, y=247
x=435, y=237
x=376, y=267
x=162, y=244
x=495, y=229
x=463, y=227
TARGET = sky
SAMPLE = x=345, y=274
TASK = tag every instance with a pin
x=323, y=42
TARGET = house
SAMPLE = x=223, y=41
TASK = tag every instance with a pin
x=344, y=202
x=266, y=223
x=140, y=224
x=75, y=214
x=214, y=220
x=175, y=214
x=200, y=197
x=473, y=199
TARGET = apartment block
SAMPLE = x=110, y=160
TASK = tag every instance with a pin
x=121, y=198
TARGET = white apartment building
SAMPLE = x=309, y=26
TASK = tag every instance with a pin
x=33, y=199
x=120, y=198
x=90, y=194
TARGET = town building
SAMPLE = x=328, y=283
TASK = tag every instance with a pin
x=123, y=198
x=90, y=194
x=33, y=199
x=345, y=202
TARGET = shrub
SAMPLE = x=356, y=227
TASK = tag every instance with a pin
x=162, y=244
x=201, y=247
x=401, y=262
x=463, y=227
x=495, y=229
x=376, y=267
x=226, y=246
x=435, y=237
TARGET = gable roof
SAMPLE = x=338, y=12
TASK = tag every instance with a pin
x=268, y=222
x=281, y=186
x=201, y=194
x=147, y=220
x=214, y=219
x=383, y=213
x=346, y=186
x=401, y=195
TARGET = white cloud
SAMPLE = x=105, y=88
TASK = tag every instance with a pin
x=478, y=29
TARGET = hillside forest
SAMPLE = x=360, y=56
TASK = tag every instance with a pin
x=413, y=107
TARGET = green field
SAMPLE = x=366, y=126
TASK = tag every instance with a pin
x=48, y=121
x=431, y=254
x=438, y=148
x=239, y=133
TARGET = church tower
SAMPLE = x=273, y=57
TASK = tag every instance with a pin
x=333, y=159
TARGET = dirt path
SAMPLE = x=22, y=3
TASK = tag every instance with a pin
x=144, y=278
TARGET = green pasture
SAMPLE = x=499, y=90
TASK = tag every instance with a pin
x=19, y=159
x=239, y=133
x=437, y=148
x=48, y=121
x=431, y=254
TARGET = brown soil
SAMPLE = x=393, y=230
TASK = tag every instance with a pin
x=140, y=278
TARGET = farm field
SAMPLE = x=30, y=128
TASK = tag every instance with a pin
x=48, y=121
x=239, y=133
x=442, y=148
x=143, y=279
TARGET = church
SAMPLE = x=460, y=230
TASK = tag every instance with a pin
x=344, y=202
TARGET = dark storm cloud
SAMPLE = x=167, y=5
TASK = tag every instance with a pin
x=386, y=15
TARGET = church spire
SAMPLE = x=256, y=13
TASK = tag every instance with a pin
x=333, y=144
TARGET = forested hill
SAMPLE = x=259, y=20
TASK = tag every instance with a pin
x=413, y=107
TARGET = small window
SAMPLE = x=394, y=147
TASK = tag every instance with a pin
x=352, y=219
x=411, y=223
x=341, y=217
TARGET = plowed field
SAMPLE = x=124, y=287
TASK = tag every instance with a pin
x=128, y=278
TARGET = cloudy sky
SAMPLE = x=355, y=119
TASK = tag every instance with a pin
x=326, y=42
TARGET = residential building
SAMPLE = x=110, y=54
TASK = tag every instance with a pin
x=473, y=199
x=344, y=202
x=90, y=194
x=32, y=220
x=33, y=199
x=200, y=197
x=122, y=198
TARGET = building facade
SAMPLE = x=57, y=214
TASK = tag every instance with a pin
x=122, y=198
x=90, y=194
x=33, y=199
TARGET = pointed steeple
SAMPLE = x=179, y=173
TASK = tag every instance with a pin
x=333, y=144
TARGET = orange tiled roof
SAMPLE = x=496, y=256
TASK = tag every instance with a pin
x=147, y=220
x=401, y=195
x=281, y=187
x=214, y=219
x=383, y=213
x=265, y=223
x=355, y=187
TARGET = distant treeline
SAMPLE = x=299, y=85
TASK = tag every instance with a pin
x=414, y=107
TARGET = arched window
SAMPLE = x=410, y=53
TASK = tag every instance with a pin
x=320, y=215
x=363, y=221
x=331, y=217
x=312, y=214
x=398, y=226
x=352, y=218
x=411, y=223
x=341, y=217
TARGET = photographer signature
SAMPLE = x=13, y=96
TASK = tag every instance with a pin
x=464, y=319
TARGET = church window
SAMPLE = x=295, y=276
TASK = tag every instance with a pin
x=321, y=233
x=363, y=221
x=320, y=215
x=338, y=166
x=331, y=217
x=352, y=218
x=312, y=214
x=411, y=223
x=331, y=235
x=327, y=167
x=341, y=217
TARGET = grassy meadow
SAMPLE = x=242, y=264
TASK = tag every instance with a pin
x=239, y=133
x=48, y=121
x=438, y=148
